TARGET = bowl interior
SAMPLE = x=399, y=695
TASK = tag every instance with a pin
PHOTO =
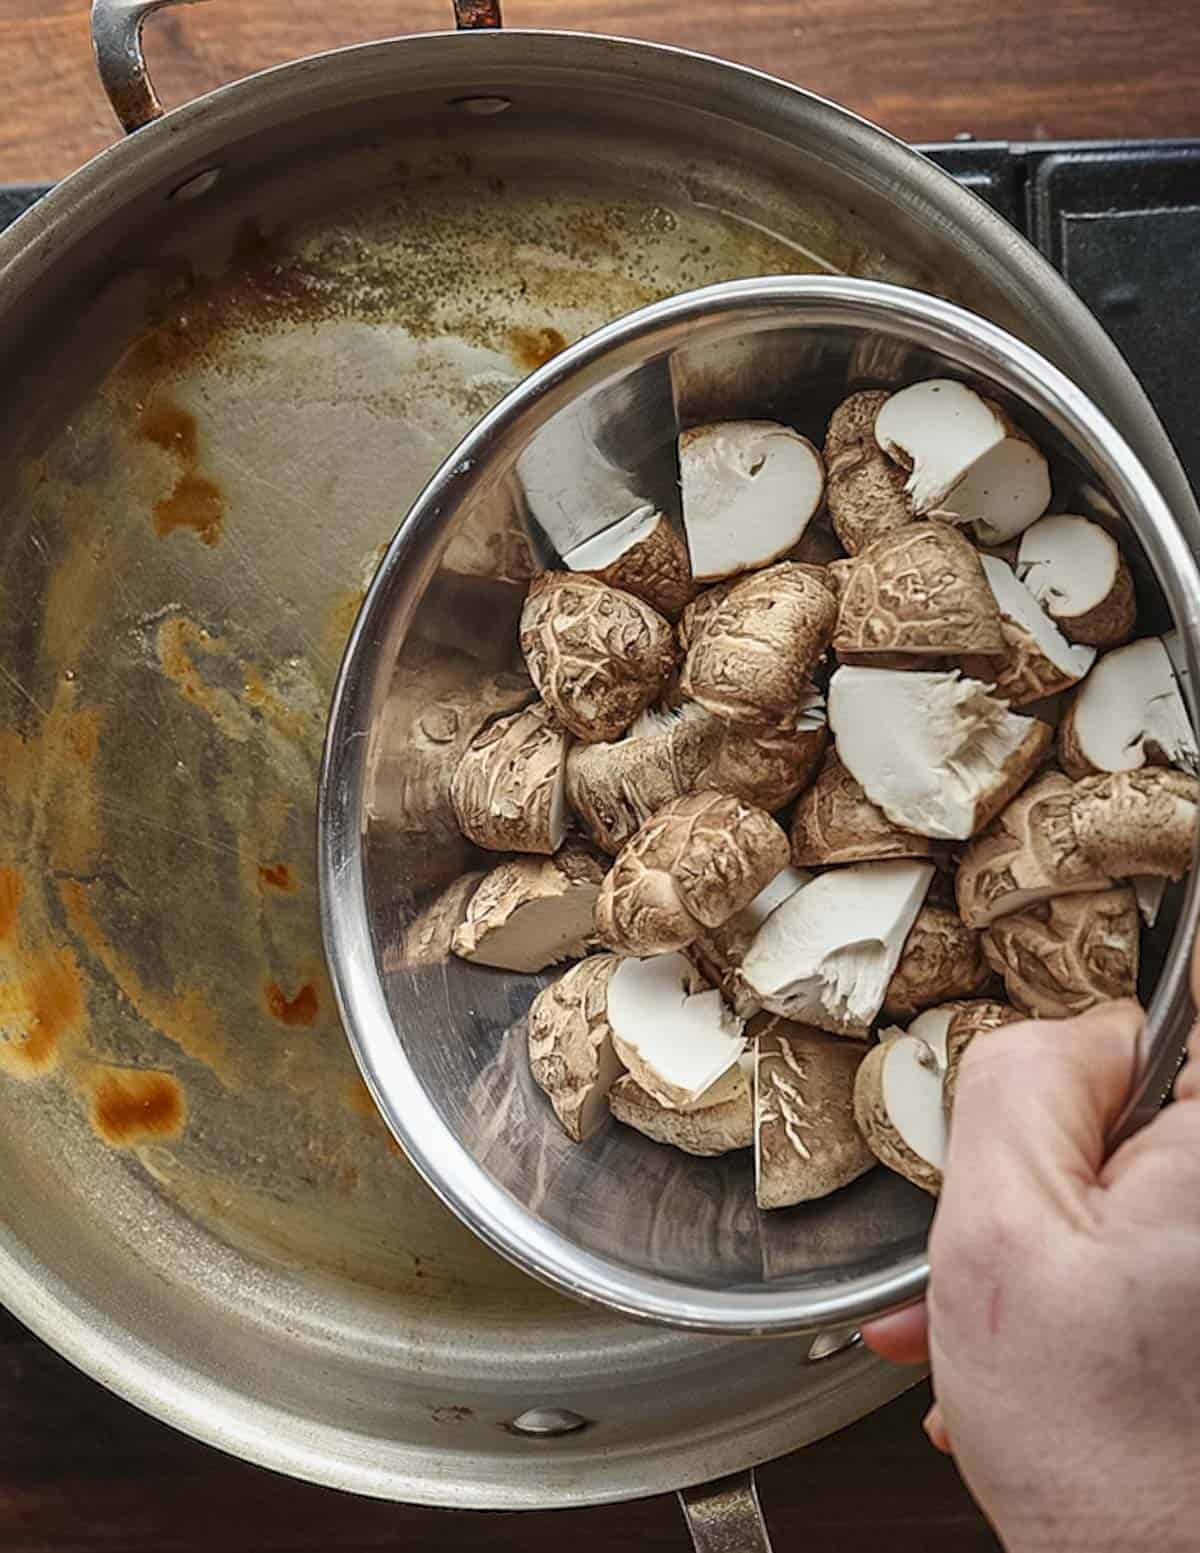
x=443, y=1045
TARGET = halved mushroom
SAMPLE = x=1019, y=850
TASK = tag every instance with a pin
x=835, y=822
x=533, y=912
x=937, y=753
x=1075, y=570
x=673, y=1033
x=969, y=1020
x=769, y=766
x=509, y=789
x=942, y=959
x=691, y=866
x=898, y=1099
x=806, y=1141
x=615, y=788
x=1137, y=822
x=721, y=1120
x=1037, y=660
x=644, y=555
x=1129, y=713
x=938, y=431
x=865, y=490
x=827, y=954
x=571, y=1053
x=751, y=661
x=428, y=938
x=1030, y=853
x=919, y=589
x=1065, y=955
x=749, y=489
x=597, y=654
x=718, y=954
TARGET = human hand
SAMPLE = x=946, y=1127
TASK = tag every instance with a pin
x=1061, y=1314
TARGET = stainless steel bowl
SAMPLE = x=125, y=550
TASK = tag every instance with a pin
x=441, y=1044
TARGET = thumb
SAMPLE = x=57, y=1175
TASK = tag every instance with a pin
x=1034, y=1106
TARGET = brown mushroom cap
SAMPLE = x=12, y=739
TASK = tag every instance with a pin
x=835, y=822
x=705, y=1130
x=571, y=1054
x=654, y=567
x=969, y=1020
x=508, y=790
x=597, y=655
x=864, y=489
x=767, y=767
x=751, y=661
x=1065, y=955
x=942, y=960
x=1138, y=822
x=694, y=618
x=692, y=865
x=807, y=1143
x=918, y=589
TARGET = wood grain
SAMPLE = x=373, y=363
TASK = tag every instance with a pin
x=1016, y=70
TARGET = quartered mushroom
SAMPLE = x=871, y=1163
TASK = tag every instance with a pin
x=768, y=766
x=865, y=490
x=939, y=754
x=835, y=822
x=942, y=960
x=597, y=655
x=1065, y=955
x=1075, y=570
x=673, y=1033
x=509, y=789
x=806, y=1141
x=898, y=1099
x=719, y=1122
x=751, y=661
x=918, y=590
x=533, y=912
x=718, y=954
x=826, y=955
x=1037, y=659
x=428, y=938
x=970, y=1019
x=1132, y=823
x=749, y=489
x=571, y=1053
x=690, y=867
x=643, y=554
x=1128, y=713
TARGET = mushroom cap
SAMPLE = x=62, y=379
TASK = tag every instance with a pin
x=807, y=1143
x=769, y=766
x=1128, y=713
x=691, y=866
x=596, y=654
x=532, y=912
x=827, y=954
x=509, y=788
x=642, y=554
x=673, y=1033
x=1075, y=570
x=942, y=959
x=970, y=1019
x=749, y=489
x=864, y=489
x=898, y=1108
x=1038, y=661
x=706, y=1130
x=938, y=430
x=835, y=822
x=1138, y=822
x=937, y=753
x=918, y=589
x=571, y=1054
x=1065, y=955
x=696, y=614
x=751, y=661
x=1030, y=852
x=718, y=953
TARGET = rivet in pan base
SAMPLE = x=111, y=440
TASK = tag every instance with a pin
x=199, y=183
x=826, y=1344
x=546, y=1422
x=481, y=107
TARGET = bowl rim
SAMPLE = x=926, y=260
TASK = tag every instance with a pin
x=443, y=1161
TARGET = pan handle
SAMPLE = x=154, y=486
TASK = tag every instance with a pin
x=725, y=1516
x=121, y=61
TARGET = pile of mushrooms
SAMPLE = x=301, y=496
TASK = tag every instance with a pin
x=807, y=828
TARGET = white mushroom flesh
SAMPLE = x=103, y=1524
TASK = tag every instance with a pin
x=912, y=1096
x=594, y=554
x=1004, y=492
x=826, y=955
x=938, y=430
x=1069, y=564
x=1018, y=605
x=675, y=1041
x=749, y=489
x=929, y=749
x=1130, y=709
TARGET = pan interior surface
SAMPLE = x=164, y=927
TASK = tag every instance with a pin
x=229, y=399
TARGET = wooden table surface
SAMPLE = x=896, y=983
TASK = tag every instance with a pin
x=80, y=1471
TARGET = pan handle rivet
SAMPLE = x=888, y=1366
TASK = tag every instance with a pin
x=546, y=1422
x=481, y=107
x=199, y=183
x=826, y=1344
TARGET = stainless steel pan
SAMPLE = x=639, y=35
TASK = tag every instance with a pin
x=232, y=349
